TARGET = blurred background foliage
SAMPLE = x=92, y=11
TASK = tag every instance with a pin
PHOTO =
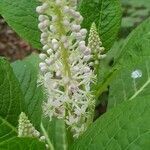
x=134, y=12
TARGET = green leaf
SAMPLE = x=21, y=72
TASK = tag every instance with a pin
x=10, y=101
x=21, y=16
x=126, y=127
x=55, y=133
x=22, y=144
x=107, y=16
x=134, y=56
x=27, y=73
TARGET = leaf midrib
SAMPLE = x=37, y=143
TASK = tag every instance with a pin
x=140, y=90
x=8, y=124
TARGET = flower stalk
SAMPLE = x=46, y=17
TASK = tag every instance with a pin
x=65, y=71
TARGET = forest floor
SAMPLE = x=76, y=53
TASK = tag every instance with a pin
x=11, y=45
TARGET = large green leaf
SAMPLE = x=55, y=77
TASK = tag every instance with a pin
x=10, y=101
x=27, y=73
x=21, y=16
x=126, y=127
x=135, y=55
x=107, y=16
x=22, y=144
x=55, y=132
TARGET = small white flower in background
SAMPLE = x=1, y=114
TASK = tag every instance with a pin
x=95, y=44
x=136, y=74
x=65, y=71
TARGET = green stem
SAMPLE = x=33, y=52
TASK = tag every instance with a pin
x=64, y=51
x=51, y=147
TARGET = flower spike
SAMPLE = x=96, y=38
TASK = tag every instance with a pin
x=25, y=128
x=95, y=44
x=65, y=71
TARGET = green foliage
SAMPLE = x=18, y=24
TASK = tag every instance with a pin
x=134, y=56
x=21, y=16
x=56, y=133
x=134, y=12
x=125, y=127
x=27, y=73
x=106, y=15
x=22, y=144
x=10, y=94
x=10, y=101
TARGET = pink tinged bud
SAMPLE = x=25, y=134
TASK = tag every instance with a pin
x=66, y=9
x=87, y=58
x=43, y=41
x=73, y=88
x=66, y=44
x=55, y=85
x=66, y=80
x=42, y=56
x=45, y=6
x=42, y=18
x=54, y=41
x=58, y=73
x=55, y=46
x=54, y=18
x=43, y=25
x=76, y=69
x=87, y=51
x=57, y=55
x=75, y=28
x=52, y=28
x=49, y=51
x=46, y=47
x=66, y=23
x=63, y=39
x=82, y=46
x=44, y=35
x=43, y=69
x=83, y=32
x=49, y=61
x=58, y=2
x=87, y=70
x=79, y=36
x=40, y=9
x=77, y=15
x=42, y=65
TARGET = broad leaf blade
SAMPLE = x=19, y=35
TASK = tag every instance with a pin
x=134, y=56
x=11, y=100
x=7, y=131
x=22, y=17
x=27, y=73
x=125, y=127
x=22, y=144
x=107, y=16
x=56, y=133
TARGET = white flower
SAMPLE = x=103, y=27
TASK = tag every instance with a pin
x=136, y=74
x=65, y=71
